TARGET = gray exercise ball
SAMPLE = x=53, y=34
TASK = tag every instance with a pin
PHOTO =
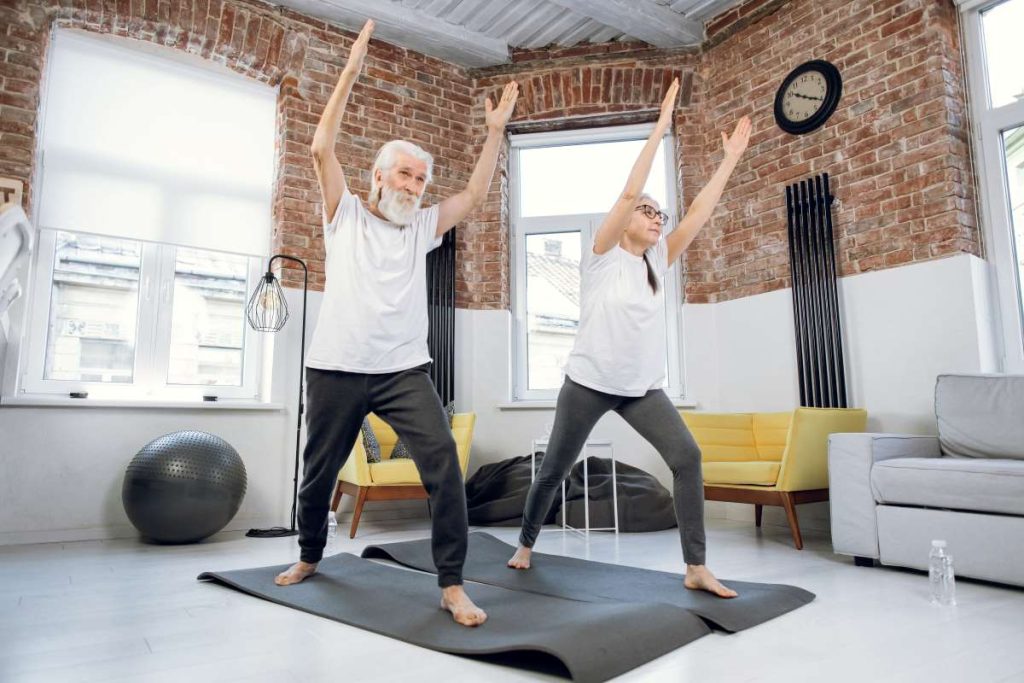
x=183, y=487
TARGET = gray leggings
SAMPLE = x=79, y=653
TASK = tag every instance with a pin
x=655, y=418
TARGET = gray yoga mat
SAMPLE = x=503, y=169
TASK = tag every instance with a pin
x=575, y=579
x=583, y=640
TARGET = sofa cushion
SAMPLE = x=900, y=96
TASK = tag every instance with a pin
x=979, y=485
x=401, y=451
x=771, y=432
x=723, y=436
x=398, y=471
x=370, y=444
x=383, y=434
x=979, y=416
x=756, y=472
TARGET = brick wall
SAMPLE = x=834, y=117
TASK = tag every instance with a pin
x=401, y=94
x=896, y=147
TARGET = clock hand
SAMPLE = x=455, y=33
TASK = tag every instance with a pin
x=806, y=97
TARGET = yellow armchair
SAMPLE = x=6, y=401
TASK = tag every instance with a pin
x=392, y=479
x=770, y=458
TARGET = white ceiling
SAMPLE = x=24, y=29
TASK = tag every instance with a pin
x=478, y=33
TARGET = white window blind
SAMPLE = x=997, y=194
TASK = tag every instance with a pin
x=146, y=147
x=154, y=213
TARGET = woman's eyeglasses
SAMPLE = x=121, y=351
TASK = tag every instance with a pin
x=651, y=212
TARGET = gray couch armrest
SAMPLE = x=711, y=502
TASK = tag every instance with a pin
x=852, y=503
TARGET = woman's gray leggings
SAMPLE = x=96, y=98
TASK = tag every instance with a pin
x=655, y=418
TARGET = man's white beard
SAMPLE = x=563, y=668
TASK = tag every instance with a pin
x=397, y=206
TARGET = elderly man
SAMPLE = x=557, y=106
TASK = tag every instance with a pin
x=369, y=351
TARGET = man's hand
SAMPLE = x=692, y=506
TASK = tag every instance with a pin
x=497, y=116
x=329, y=173
x=358, y=52
x=454, y=209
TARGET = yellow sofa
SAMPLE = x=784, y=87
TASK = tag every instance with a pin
x=392, y=479
x=770, y=458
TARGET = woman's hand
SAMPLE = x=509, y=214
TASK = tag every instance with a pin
x=736, y=143
x=668, y=105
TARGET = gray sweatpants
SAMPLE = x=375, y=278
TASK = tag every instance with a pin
x=655, y=418
x=338, y=402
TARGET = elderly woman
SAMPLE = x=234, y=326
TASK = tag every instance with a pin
x=618, y=360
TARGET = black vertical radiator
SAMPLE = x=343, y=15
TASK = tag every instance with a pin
x=812, y=262
x=441, y=312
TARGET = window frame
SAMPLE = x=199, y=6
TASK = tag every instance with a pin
x=154, y=310
x=150, y=385
x=587, y=223
x=990, y=163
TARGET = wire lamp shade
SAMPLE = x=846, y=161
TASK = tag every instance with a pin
x=267, y=310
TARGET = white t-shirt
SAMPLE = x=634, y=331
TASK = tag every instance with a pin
x=620, y=345
x=373, y=318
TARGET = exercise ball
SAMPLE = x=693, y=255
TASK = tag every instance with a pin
x=183, y=487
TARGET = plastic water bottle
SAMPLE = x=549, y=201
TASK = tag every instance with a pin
x=332, y=528
x=940, y=575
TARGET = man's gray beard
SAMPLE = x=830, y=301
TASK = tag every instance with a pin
x=395, y=207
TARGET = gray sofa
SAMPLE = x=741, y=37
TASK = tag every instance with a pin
x=892, y=494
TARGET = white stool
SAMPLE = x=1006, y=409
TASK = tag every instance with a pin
x=589, y=444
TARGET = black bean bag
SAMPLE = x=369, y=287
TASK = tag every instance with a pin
x=496, y=495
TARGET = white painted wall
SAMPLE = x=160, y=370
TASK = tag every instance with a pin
x=61, y=468
x=907, y=325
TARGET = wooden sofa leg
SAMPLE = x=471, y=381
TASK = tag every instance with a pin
x=794, y=525
x=358, y=510
x=758, y=508
x=337, y=497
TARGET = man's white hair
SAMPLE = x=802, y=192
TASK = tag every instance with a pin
x=387, y=157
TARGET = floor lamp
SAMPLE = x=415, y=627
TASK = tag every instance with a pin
x=268, y=312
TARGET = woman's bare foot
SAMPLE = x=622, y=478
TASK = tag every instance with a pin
x=296, y=573
x=455, y=600
x=699, y=577
x=521, y=560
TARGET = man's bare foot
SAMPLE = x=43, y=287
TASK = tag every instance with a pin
x=455, y=600
x=521, y=560
x=699, y=577
x=296, y=573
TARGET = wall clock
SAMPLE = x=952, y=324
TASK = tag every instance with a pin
x=808, y=96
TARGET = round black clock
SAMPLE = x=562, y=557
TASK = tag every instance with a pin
x=808, y=96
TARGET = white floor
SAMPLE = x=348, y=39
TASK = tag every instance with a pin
x=124, y=611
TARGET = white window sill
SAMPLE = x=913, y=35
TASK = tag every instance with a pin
x=66, y=402
x=550, y=404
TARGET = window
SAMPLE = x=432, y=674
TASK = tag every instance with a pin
x=208, y=318
x=154, y=208
x=563, y=183
x=94, y=304
x=994, y=54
